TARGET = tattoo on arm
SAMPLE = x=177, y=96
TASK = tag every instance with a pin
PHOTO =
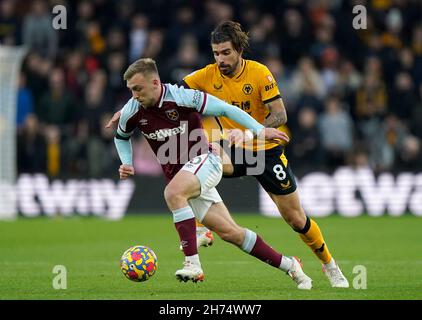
x=274, y=120
x=277, y=115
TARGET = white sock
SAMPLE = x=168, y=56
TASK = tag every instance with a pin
x=249, y=241
x=331, y=264
x=286, y=263
x=193, y=259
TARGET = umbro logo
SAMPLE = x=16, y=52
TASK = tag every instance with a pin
x=143, y=122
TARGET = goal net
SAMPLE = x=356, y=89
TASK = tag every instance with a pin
x=10, y=64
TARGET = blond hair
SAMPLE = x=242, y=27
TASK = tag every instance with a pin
x=145, y=66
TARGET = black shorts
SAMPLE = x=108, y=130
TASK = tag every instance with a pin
x=266, y=166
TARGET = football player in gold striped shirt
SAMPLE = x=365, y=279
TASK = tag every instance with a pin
x=250, y=86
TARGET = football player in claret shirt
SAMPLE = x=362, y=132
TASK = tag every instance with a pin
x=250, y=86
x=167, y=116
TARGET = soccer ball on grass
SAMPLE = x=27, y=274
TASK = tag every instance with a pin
x=138, y=263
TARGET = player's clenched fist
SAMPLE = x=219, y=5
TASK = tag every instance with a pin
x=126, y=171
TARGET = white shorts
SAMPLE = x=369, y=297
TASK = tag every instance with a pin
x=209, y=169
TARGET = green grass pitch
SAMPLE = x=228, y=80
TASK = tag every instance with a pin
x=90, y=248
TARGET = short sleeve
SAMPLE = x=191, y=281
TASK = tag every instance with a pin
x=268, y=86
x=127, y=123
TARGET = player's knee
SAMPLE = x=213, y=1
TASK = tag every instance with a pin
x=296, y=219
x=173, y=196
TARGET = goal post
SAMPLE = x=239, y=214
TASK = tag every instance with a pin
x=10, y=64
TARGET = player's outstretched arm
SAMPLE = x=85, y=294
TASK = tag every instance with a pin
x=237, y=137
x=209, y=105
x=217, y=107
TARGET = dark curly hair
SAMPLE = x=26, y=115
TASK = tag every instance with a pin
x=231, y=31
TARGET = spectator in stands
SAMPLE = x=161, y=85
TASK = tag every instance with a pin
x=409, y=154
x=38, y=33
x=53, y=149
x=183, y=24
x=36, y=70
x=336, y=133
x=416, y=118
x=294, y=37
x=75, y=73
x=305, y=151
x=371, y=98
x=57, y=106
x=31, y=147
x=116, y=62
x=263, y=38
x=187, y=59
x=283, y=77
x=348, y=81
x=310, y=47
x=154, y=44
x=9, y=23
x=329, y=61
x=116, y=41
x=307, y=86
x=359, y=159
x=416, y=42
x=138, y=37
x=402, y=97
x=25, y=105
x=324, y=37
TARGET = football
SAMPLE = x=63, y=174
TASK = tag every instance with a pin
x=138, y=263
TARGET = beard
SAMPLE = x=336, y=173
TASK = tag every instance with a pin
x=229, y=70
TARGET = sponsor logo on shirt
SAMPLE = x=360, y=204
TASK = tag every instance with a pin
x=164, y=133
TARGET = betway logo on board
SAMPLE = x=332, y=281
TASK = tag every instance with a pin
x=36, y=195
x=164, y=133
x=353, y=192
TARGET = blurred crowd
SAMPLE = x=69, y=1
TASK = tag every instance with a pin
x=353, y=97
